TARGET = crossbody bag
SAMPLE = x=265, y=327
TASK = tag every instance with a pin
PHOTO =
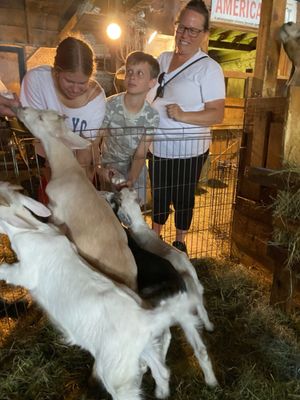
x=173, y=77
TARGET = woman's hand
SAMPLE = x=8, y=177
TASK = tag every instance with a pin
x=7, y=105
x=213, y=113
x=174, y=112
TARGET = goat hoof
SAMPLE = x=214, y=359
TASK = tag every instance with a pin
x=162, y=393
x=209, y=327
x=212, y=382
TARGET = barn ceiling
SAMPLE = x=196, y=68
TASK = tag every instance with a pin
x=44, y=22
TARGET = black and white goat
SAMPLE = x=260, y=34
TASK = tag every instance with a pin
x=155, y=261
x=92, y=311
x=127, y=208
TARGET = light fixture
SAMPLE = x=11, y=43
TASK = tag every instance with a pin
x=151, y=37
x=113, y=31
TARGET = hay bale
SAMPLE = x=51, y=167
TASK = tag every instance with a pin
x=7, y=255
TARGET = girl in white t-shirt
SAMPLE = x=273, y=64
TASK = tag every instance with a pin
x=69, y=88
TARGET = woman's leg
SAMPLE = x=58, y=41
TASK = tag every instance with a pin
x=187, y=173
x=160, y=173
x=180, y=235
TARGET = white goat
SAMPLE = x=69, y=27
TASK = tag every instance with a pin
x=130, y=215
x=89, y=308
x=86, y=306
x=90, y=223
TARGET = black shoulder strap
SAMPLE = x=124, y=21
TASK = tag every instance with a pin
x=179, y=72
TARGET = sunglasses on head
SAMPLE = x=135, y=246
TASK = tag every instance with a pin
x=160, y=89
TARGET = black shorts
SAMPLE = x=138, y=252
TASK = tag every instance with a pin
x=174, y=180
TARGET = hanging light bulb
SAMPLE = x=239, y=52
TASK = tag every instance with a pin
x=113, y=31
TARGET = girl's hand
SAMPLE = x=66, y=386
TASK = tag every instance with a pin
x=105, y=174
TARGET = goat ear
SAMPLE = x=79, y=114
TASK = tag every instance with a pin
x=73, y=140
x=5, y=189
x=17, y=188
x=18, y=221
x=36, y=207
x=76, y=142
x=3, y=201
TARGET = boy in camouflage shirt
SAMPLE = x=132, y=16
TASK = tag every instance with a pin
x=130, y=123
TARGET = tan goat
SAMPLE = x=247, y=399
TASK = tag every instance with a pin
x=87, y=219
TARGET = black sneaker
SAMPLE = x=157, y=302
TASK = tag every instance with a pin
x=180, y=246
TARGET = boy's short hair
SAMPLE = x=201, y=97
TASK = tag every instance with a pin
x=137, y=57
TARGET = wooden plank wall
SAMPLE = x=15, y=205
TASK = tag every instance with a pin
x=262, y=146
x=262, y=140
x=33, y=22
x=233, y=115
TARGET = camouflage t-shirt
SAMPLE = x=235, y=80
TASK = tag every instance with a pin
x=124, y=132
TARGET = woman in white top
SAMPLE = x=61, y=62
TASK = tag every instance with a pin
x=68, y=87
x=190, y=98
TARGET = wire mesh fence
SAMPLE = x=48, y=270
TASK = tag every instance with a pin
x=210, y=230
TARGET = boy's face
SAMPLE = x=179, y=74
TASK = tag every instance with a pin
x=138, y=79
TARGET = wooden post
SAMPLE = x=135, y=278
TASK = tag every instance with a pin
x=284, y=280
x=292, y=128
x=268, y=48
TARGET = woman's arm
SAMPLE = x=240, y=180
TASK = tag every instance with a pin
x=212, y=114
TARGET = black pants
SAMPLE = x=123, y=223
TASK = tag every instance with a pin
x=174, y=180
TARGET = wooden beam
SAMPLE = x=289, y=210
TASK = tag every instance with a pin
x=277, y=179
x=231, y=45
x=13, y=35
x=27, y=23
x=132, y=3
x=268, y=48
x=86, y=6
x=237, y=74
x=239, y=38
